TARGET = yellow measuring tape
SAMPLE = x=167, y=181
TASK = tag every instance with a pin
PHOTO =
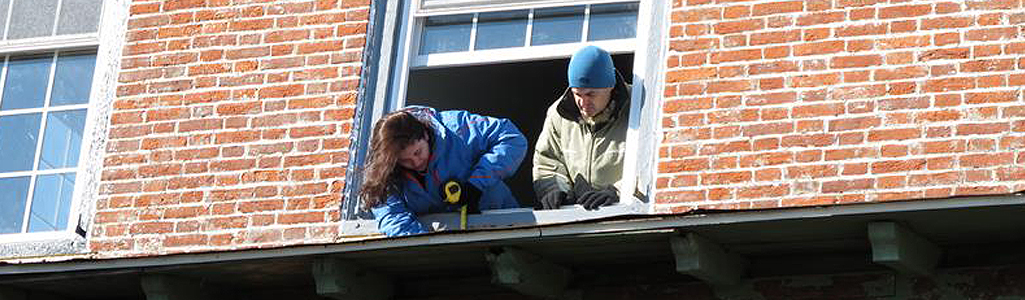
x=452, y=193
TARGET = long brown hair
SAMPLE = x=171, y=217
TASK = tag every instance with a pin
x=392, y=133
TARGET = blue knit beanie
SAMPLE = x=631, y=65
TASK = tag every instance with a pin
x=591, y=67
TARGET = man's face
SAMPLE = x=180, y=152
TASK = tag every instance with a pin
x=591, y=101
x=415, y=156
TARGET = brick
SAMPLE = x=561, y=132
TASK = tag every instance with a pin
x=861, y=30
x=854, y=123
x=948, y=53
x=989, y=65
x=992, y=97
x=993, y=4
x=818, y=48
x=986, y=160
x=992, y=34
x=776, y=37
x=904, y=42
x=905, y=11
x=947, y=22
x=817, y=110
x=983, y=128
x=777, y=8
x=726, y=178
x=855, y=61
x=768, y=129
x=894, y=166
x=894, y=134
x=815, y=80
x=845, y=186
x=820, y=18
x=900, y=73
x=737, y=55
x=729, y=27
x=694, y=44
x=949, y=84
x=730, y=86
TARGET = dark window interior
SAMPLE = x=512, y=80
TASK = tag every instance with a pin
x=520, y=91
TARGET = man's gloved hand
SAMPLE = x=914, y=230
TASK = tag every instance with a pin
x=594, y=199
x=469, y=195
x=556, y=198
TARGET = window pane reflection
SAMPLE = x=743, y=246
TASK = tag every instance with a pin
x=51, y=202
x=18, y=136
x=25, y=86
x=501, y=30
x=557, y=25
x=446, y=34
x=73, y=79
x=612, y=21
x=62, y=139
x=12, y=200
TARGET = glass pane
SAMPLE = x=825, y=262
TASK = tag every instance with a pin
x=32, y=18
x=18, y=136
x=557, y=25
x=4, y=6
x=612, y=21
x=62, y=139
x=501, y=30
x=446, y=34
x=12, y=200
x=73, y=79
x=51, y=202
x=26, y=82
x=79, y=16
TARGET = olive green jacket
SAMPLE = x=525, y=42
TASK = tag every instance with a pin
x=575, y=157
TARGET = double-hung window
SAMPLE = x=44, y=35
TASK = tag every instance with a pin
x=48, y=57
x=508, y=59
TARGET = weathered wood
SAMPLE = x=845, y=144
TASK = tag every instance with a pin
x=343, y=280
x=528, y=273
x=706, y=260
x=898, y=247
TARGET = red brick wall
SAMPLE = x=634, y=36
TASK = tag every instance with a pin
x=808, y=102
x=231, y=125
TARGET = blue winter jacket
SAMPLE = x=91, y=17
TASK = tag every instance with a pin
x=466, y=147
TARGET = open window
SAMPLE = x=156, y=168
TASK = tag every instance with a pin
x=508, y=59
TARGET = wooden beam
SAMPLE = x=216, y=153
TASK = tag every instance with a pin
x=167, y=287
x=528, y=273
x=898, y=247
x=343, y=280
x=700, y=257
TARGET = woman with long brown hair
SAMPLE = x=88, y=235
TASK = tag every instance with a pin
x=415, y=151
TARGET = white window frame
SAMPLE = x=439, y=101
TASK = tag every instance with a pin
x=107, y=43
x=396, y=61
x=514, y=54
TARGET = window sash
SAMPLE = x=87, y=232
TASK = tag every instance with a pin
x=44, y=111
x=441, y=7
x=528, y=51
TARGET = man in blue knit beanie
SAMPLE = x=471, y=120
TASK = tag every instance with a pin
x=579, y=154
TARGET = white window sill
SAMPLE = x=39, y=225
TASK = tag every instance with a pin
x=505, y=218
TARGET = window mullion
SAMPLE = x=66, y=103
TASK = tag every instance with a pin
x=56, y=17
x=7, y=22
x=587, y=24
x=530, y=28
x=39, y=143
x=473, y=32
